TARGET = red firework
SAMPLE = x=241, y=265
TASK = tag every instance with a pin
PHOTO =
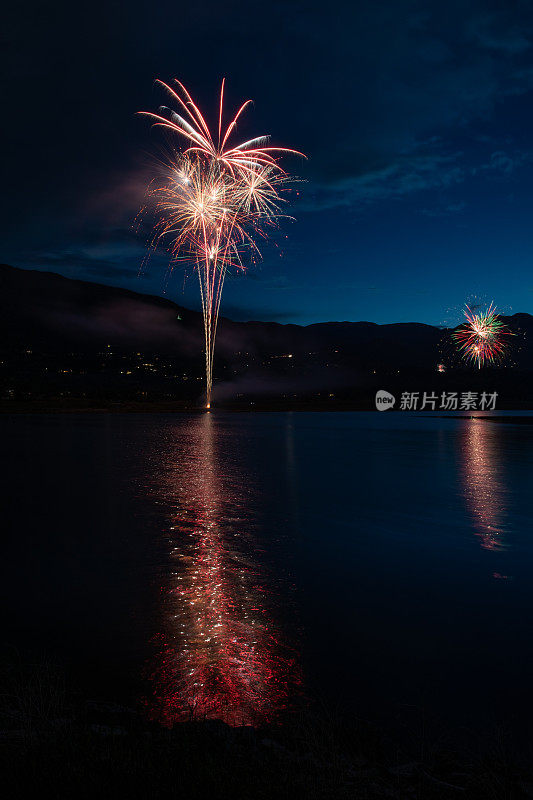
x=215, y=201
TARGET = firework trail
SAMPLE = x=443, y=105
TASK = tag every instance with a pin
x=481, y=339
x=215, y=200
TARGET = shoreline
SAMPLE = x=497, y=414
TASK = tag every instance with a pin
x=43, y=407
x=74, y=744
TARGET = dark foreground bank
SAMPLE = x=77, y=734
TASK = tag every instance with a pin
x=56, y=743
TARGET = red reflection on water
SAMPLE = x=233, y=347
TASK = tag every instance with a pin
x=483, y=488
x=220, y=655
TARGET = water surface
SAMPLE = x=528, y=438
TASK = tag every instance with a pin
x=230, y=565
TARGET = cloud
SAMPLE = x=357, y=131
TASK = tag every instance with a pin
x=444, y=211
x=408, y=174
x=89, y=262
x=421, y=75
x=275, y=282
x=76, y=261
x=503, y=163
x=249, y=313
x=511, y=39
x=126, y=320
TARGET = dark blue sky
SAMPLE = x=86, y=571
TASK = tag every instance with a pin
x=417, y=118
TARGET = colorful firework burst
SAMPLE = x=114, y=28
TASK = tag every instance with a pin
x=215, y=200
x=482, y=338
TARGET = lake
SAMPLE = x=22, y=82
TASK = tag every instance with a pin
x=234, y=565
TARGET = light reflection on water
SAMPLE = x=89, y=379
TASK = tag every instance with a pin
x=389, y=528
x=220, y=653
x=483, y=485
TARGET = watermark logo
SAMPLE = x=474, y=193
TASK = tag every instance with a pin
x=448, y=401
x=384, y=400
x=431, y=401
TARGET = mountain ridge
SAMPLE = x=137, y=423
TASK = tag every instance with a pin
x=163, y=300
x=67, y=337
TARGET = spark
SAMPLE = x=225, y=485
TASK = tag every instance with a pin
x=481, y=338
x=215, y=199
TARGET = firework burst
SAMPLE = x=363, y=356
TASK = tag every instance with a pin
x=215, y=200
x=481, y=339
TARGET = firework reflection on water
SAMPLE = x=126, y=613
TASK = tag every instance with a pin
x=220, y=653
x=483, y=485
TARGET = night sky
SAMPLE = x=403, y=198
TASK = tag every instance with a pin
x=417, y=118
